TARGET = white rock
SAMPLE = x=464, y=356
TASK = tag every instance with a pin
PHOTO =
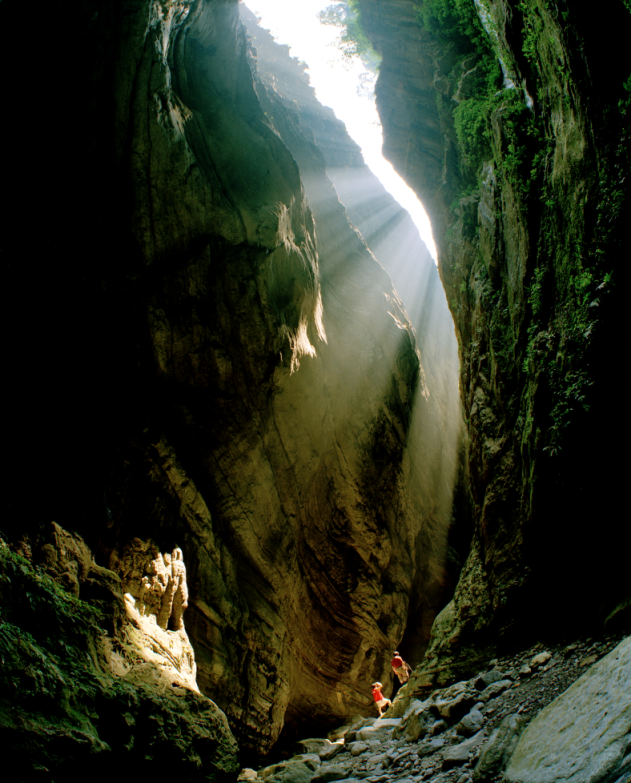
x=540, y=659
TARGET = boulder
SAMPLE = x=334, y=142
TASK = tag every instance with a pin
x=324, y=748
x=454, y=709
x=331, y=751
x=415, y=723
x=415, y=706
x=381, y=729
x=397, y=755
x=313, y=745
x=357, y=748
x=499, y=748
x=494, y=690
x=341, y=731
x=430, y=746
x=330, y=772
x=484, y=680
x=287, y=772
x=351, y=733
x=379, y=760
x=540, y=659
x=312, y=760
x=438, y=728
x=584, y=735
x=459, y=754
x=470, y=724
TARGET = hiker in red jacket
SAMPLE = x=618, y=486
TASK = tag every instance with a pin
x=379, y=698
x=401, y=668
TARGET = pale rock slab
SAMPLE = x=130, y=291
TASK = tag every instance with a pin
x=381, y=730
x=583, y=736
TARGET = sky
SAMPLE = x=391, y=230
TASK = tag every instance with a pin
x=346, y=87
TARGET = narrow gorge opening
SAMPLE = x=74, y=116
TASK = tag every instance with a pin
x=315, y=58
x=328, y=41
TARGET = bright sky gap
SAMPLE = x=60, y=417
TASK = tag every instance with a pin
x=343, y=85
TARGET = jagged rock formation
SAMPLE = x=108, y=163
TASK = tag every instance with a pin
x=233, y=373
x=523, y=175
x=88, y=687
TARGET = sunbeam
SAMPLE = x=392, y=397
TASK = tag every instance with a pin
x=345, y=84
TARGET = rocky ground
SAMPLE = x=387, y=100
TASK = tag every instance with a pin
x=449, y=735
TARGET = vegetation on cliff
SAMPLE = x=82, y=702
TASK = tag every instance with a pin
x=530, y=256
x=353, y=39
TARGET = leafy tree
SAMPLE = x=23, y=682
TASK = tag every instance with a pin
x=353, y=40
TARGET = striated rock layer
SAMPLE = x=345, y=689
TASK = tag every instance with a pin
x=205, y=363
x=524, y=174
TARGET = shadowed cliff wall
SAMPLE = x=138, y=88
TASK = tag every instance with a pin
x=198, y=364
x=524, y=175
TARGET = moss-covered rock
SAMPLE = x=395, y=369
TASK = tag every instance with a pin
x=77, y=696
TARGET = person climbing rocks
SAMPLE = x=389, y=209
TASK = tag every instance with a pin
x=401, y=668
x=378, y=696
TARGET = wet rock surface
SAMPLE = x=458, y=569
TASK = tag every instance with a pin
x=478, y=746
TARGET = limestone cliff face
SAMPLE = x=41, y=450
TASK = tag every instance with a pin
x=524, y=176
x=221, y=368
x=327, y=156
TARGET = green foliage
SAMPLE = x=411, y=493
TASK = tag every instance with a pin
x=471, y=120
x=42, y=607
x=570, y=391
x=535, y=290
x=353, y=40
x=456, y=21
x=533, y=25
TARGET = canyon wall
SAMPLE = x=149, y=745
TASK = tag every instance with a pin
x=206, y=358
x=523, y=169
x=327, y=156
